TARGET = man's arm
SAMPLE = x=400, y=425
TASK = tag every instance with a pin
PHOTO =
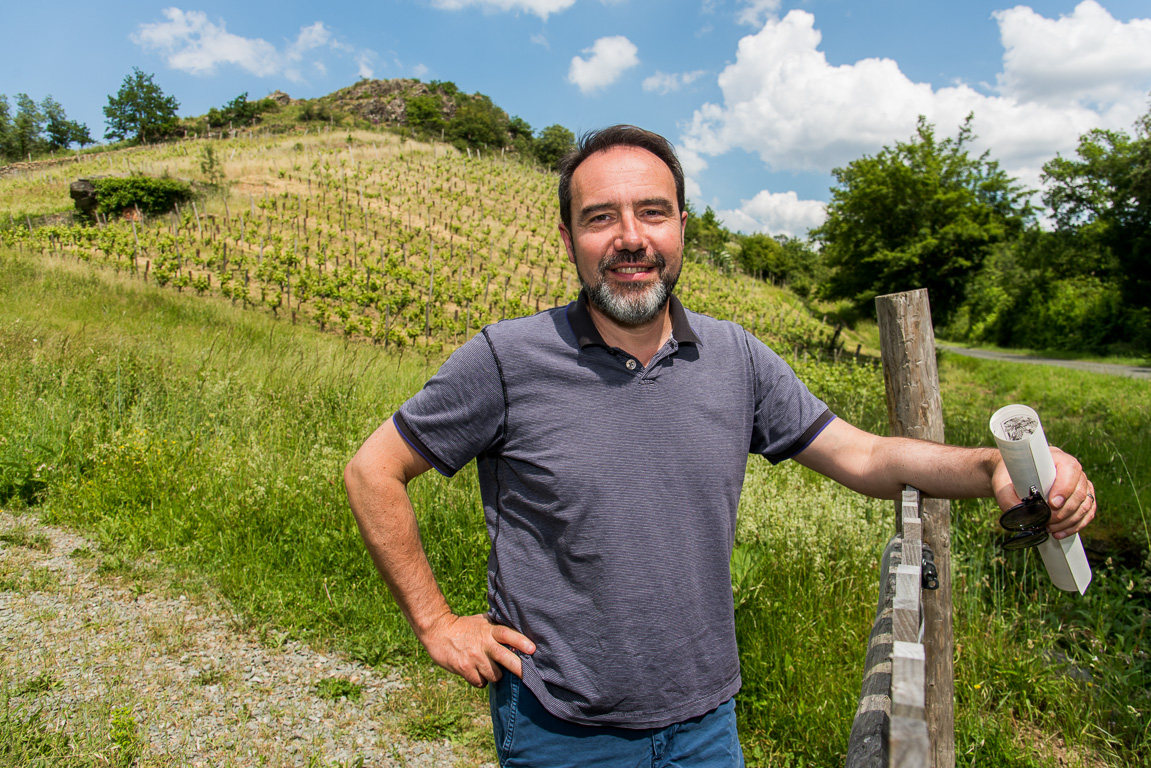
x=881, y=466
x=376, y=480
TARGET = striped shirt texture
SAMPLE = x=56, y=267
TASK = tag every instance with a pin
x=610, y=492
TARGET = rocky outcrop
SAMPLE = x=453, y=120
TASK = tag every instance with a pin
x=385, y=101
x=83, y=193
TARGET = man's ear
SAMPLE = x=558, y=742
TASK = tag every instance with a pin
x=682, y=227
x=567, y=238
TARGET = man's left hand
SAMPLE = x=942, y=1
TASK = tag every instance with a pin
x=1072, y=497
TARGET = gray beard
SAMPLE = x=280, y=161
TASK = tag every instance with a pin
x=631, y=306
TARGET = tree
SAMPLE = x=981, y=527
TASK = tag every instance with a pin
x=803, y=266
x=446, y=87
x=704, y=233
x=56, y=125
x=920, y=215
x=554, y=142
x=424, y=111
x=80, y=133
x=761, y=256
x=140, y=111
x=479, y=123
x=519, y=128
x=6, y=150
x=1104, y=199
x=239, y=111
x=59, y=131
x=27, y=126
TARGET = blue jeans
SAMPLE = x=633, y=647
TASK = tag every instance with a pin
x=528, y=736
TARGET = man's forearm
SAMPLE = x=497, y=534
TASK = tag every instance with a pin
x=938, y=470
x=882, y=466
x=388, y=526
x=376, y=481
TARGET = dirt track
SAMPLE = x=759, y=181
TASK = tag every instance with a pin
x=1133, y=371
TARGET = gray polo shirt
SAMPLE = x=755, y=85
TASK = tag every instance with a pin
x=610, y=494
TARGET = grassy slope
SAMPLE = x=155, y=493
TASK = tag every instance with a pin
x=216, y=436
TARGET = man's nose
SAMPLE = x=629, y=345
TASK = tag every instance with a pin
x=629, y=237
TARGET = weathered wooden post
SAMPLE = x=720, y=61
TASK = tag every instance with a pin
x=914, y=409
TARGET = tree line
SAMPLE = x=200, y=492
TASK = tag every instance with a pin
x=37, y=129
x=141, y=113
x=1073, y=274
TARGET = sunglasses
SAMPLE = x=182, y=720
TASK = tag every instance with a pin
x=1028, y=519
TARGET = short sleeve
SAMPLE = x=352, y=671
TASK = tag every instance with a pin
x=787, y=415
x=461, y=412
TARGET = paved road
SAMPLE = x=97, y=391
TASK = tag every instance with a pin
x=1134, y=371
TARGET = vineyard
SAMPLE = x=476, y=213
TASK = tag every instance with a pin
x=368, y=234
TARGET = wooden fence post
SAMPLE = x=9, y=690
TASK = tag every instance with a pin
x=914, y=409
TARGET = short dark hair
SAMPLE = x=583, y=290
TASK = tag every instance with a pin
x=616, y=136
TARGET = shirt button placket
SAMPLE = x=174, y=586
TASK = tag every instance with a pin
x=630, y=364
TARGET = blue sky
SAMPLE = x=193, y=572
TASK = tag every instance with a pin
x=763, y=97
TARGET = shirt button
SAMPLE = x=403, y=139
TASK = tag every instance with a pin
x=630, y=364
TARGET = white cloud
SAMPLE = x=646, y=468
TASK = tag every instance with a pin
x=195, y=45
x=693, y=165
x=419, y=70
x=313, y=36
x=541, y=39
x=756, y=12
x=665, y=84
x=610, y=57
x=784, y=102
x=192, y=43
x=1087, y=57
x=775, y=213
x=365, y=61
x=541, y=8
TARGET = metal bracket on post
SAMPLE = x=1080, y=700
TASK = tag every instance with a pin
x=930, y=572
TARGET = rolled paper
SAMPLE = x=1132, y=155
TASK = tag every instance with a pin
x=1023, y=445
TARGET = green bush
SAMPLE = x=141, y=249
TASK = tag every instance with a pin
x=151, y=196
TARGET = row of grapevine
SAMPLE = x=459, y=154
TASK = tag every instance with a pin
x=373, y=236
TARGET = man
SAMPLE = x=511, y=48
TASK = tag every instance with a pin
x=611, y=439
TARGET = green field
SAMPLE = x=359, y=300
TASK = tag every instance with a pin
x=193, y=429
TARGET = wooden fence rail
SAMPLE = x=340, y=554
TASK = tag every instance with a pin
x=890, y=727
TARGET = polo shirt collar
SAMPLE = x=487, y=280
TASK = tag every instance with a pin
x=587, y=335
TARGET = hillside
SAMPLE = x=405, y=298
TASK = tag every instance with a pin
x=367, y=233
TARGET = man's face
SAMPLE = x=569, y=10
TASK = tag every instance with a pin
x=626, y=237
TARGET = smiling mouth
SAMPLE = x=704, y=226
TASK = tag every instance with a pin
x=633, y=269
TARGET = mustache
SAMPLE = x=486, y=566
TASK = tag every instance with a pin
x=622, y=258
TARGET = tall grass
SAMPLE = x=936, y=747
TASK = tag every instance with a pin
x=215, y=439
x=1039, y=670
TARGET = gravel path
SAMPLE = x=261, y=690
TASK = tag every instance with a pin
x=1134, y=371
x=93, y=650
